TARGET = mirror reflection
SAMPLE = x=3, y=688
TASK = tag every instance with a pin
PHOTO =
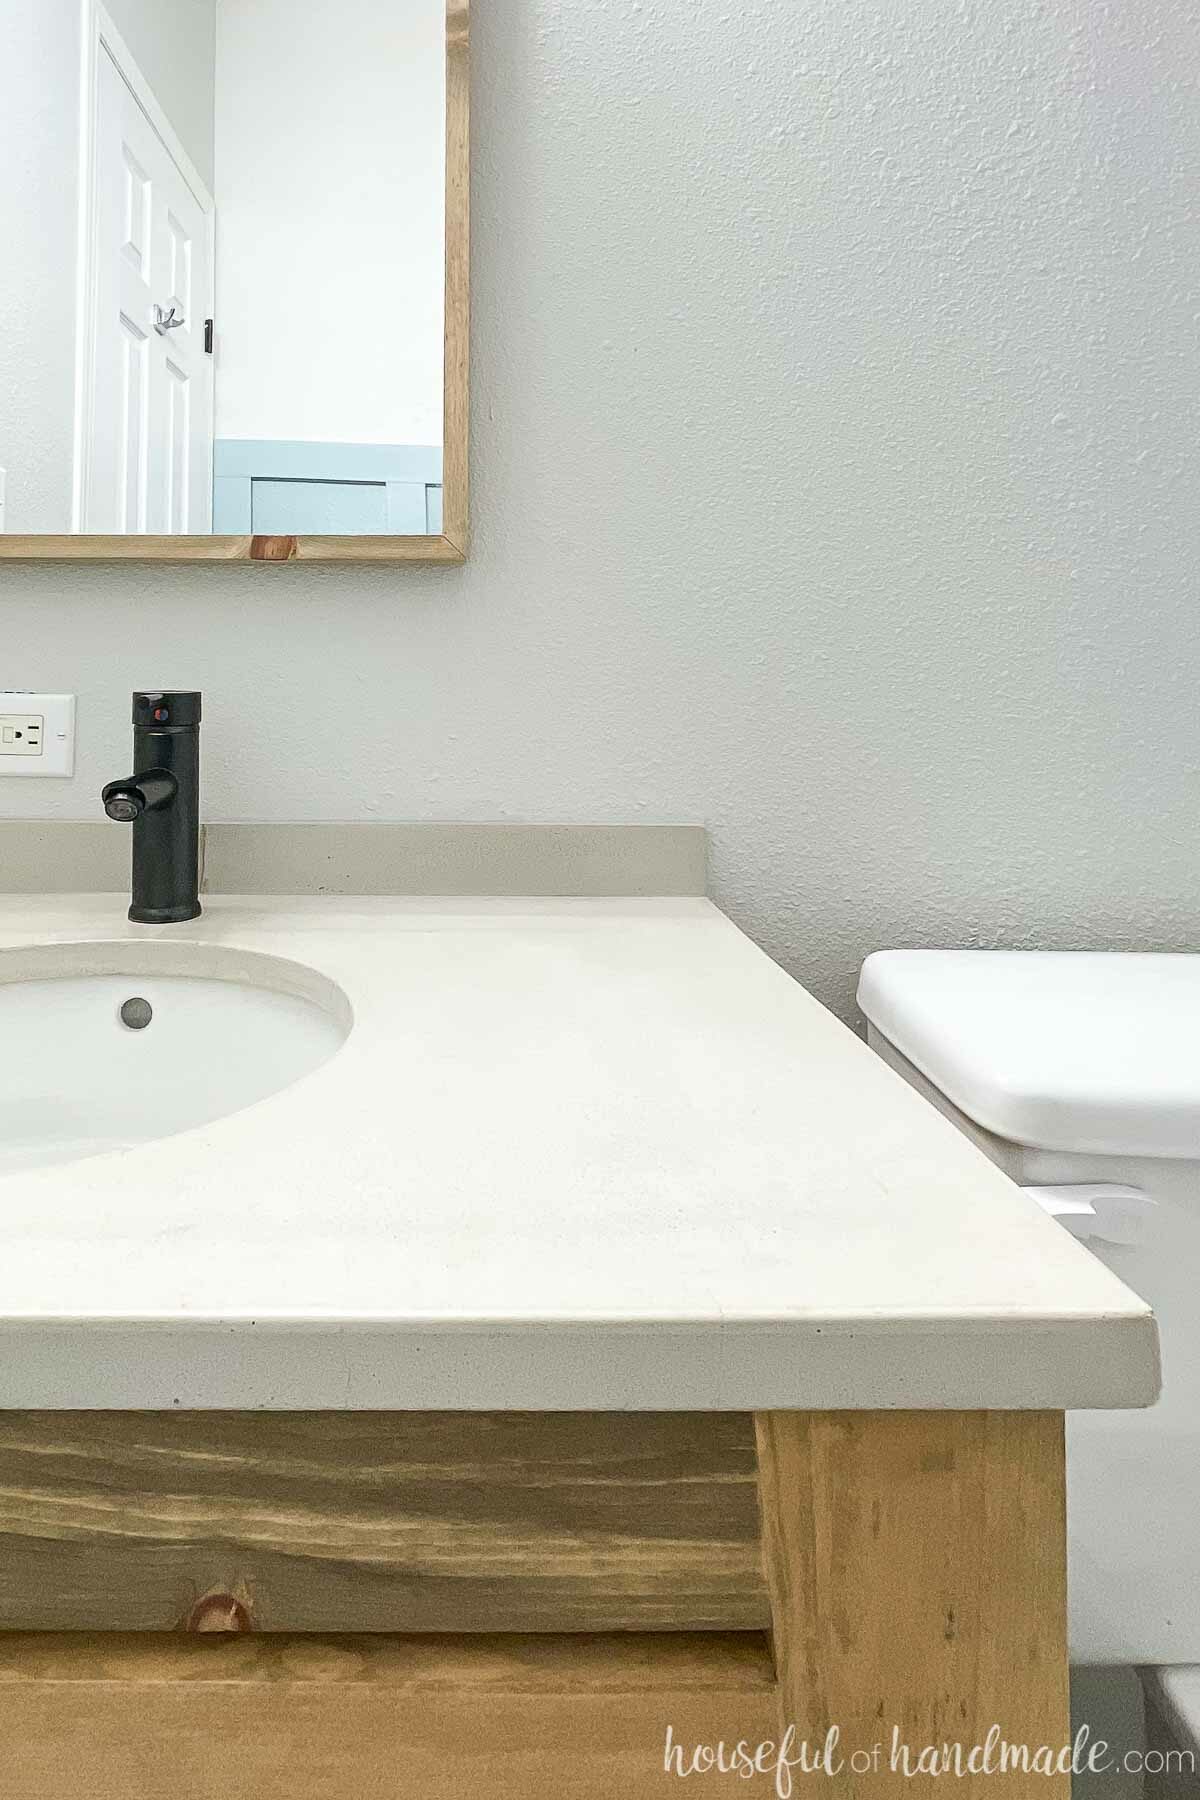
x=223, y=229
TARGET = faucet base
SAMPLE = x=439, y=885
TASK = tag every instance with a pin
x=165, y=915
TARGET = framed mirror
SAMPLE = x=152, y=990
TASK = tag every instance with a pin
x=234, y=311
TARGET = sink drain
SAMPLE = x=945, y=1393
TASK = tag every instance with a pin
x=137, y=1014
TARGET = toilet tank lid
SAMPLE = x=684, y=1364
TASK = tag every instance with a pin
x=1074, y=1051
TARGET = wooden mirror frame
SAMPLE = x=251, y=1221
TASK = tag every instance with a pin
x=451, y=546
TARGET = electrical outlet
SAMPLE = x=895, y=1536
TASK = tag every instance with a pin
x=37, y=734
x=21, y=734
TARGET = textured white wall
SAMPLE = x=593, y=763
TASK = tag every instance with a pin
x=39, y=132
x=834, y=484
x=331, y=202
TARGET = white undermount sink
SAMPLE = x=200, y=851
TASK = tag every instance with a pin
x=226, y=1029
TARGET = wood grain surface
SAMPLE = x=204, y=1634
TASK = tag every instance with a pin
x=457, y=420
x=917, y=1568
x=264, y=1718
x=392, y=1522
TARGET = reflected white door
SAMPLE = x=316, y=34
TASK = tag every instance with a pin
x=147, y=425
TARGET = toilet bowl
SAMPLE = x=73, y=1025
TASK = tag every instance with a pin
x=1079, y=1074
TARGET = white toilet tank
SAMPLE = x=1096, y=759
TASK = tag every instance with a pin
x=1080, y=1074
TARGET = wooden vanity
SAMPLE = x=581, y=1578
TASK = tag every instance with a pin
x=601, y=1344
x=435, y=1595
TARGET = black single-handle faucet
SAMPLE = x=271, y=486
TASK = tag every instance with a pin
x=161, y=800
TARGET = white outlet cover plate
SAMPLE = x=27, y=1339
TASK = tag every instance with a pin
x=57, y=711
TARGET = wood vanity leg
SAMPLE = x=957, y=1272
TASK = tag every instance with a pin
x=916, y=1565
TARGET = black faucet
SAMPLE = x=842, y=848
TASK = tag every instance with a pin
x=161, y=800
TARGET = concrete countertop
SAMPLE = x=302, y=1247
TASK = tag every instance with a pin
x=594, y=1154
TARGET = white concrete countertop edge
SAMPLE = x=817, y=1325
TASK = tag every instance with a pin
x=203, y=1365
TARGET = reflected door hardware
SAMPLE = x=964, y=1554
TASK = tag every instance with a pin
x=37, y=734
x=165, y=322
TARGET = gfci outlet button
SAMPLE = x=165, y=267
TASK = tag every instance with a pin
x=37, y=734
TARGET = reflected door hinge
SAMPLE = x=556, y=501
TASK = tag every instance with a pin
x=208, y=337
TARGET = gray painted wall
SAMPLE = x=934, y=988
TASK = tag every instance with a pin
x=174, y=45
x=834, y=484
